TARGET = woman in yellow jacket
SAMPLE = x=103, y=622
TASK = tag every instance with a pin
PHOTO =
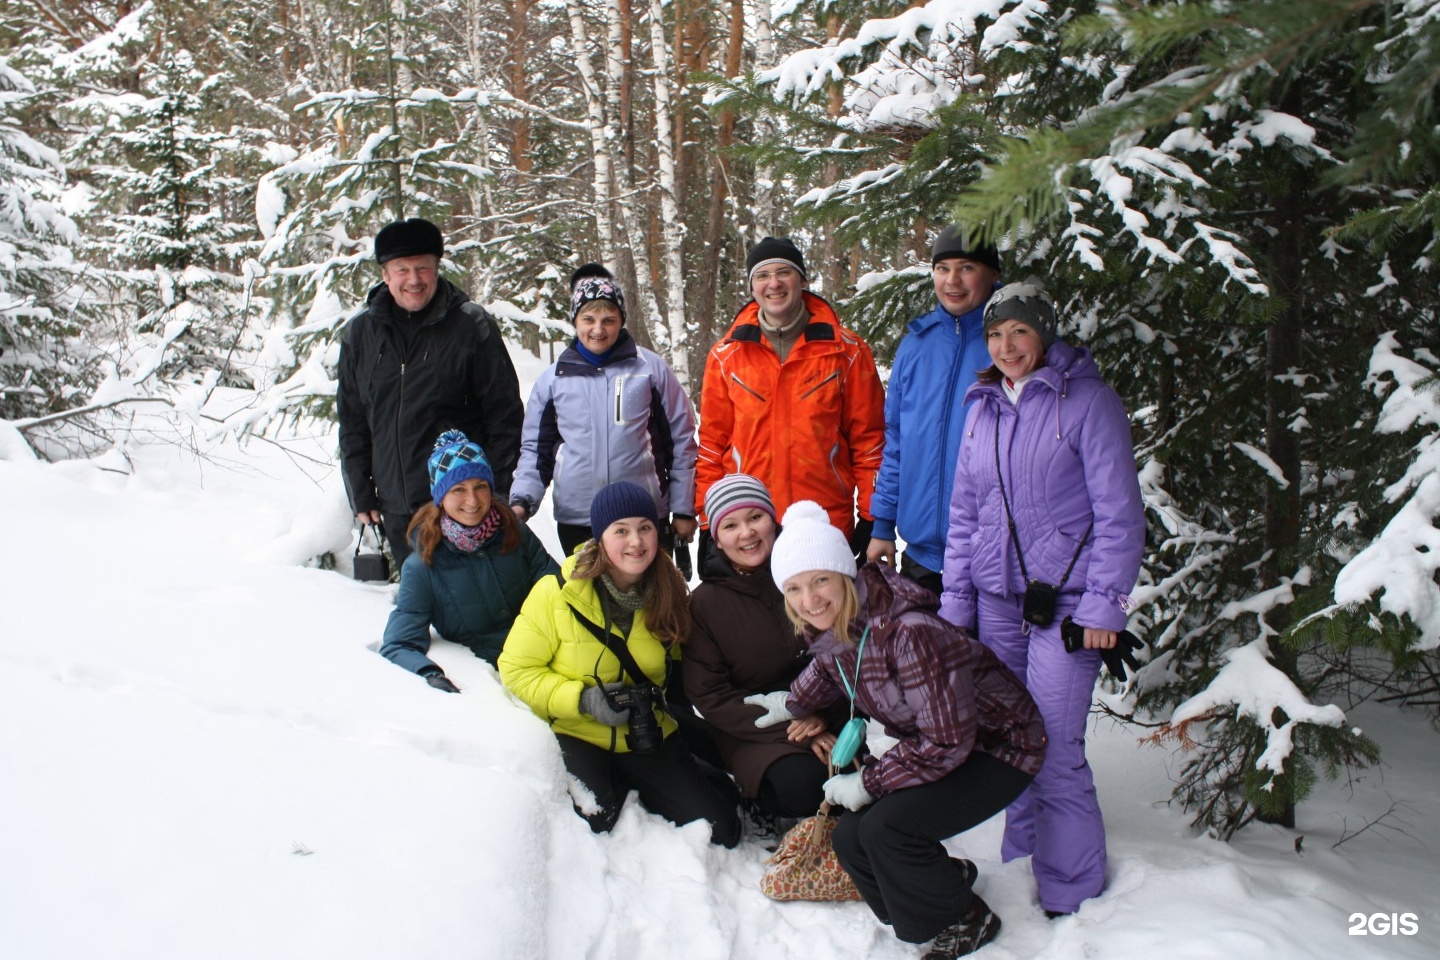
x=591, y=653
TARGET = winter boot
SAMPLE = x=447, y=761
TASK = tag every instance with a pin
x=978, y=927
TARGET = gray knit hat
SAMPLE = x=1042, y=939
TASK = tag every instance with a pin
x=1027, y=303
x=808, y=541
x=736, y=491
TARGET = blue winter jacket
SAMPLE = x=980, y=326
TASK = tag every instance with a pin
x=1068, y=462
x=925, y=410
x=587, y=427
x=470, y=598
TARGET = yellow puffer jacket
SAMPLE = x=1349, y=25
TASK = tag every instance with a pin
x=550, y=657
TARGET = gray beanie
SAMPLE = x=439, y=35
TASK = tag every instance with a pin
x=808, y=541
x=1027, y=303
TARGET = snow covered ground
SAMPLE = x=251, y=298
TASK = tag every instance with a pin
x=202, y=756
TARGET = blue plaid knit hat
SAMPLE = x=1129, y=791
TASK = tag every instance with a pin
x=456, y=458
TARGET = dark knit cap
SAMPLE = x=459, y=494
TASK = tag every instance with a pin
x=408, y=238
x=951, y=243
x=456, y=458
x=774, y=250
x=620, y=500
x=589, y=287
x=589, y=270
x=1026, y=302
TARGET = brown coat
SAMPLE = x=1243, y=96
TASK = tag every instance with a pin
x=741, y=643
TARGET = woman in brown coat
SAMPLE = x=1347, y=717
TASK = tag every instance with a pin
x=741, y=644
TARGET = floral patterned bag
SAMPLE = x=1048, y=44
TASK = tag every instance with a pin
x=805, y=867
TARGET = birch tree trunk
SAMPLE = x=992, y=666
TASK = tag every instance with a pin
x=595, y=122
x=765, y=174
x=673, y=231
x=629, y=220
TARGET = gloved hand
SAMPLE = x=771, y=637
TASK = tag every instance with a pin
x=847, y=790
x=774, y=706
x=1122, y=653
x=437, y=679
x=594, y=702
x=860, y=539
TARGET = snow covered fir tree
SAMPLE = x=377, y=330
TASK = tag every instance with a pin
x=1237, y=207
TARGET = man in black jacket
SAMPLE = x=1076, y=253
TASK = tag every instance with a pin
x=419, y=360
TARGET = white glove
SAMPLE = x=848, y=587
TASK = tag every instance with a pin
x=774, y=706
x=847, y=790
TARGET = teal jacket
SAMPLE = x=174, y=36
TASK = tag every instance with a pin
x=470, y=598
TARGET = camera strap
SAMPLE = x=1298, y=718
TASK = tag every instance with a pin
x=1010, y=520
x=379, y=536
x=615, y=645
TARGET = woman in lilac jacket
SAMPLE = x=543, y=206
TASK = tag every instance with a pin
x=969, y=737
x=1046, y=495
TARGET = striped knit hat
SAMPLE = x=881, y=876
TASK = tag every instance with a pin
x=736, y=491
x=456, y=458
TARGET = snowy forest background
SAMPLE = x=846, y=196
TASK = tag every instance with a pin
x=1235, y=204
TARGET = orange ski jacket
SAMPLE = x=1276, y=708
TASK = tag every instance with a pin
x=811, y=428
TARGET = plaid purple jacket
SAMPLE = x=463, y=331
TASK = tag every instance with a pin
x=936, y=689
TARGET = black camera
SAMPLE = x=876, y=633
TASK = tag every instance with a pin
x=1073, y=634
x=640, y=702
x=1040, y=600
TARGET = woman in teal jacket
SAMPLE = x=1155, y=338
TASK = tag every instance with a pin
x=472, y=568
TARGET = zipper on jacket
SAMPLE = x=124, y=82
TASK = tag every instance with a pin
x=746, y=387
x=835, y=375
x=942, y=504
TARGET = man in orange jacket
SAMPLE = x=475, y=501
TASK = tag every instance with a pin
x=793, y=398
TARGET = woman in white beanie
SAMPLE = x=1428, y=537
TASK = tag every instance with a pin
x=741, y=643
x=969, y=738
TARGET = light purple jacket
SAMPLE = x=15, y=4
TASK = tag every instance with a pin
x=938, y=691
x=1067, y=459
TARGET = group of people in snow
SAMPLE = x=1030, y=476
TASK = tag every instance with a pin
x=997, y=455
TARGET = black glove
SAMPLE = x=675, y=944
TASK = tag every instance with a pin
x=860, y=539
x=1122, y=653
x=437, y=679
x=682, y=560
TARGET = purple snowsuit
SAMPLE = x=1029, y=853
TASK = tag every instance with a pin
x=1068, y=461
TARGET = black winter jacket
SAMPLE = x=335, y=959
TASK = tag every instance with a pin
x=393, y=401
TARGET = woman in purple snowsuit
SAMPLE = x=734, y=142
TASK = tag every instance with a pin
x=1046, y=492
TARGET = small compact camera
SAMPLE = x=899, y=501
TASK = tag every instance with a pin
x=372, y=566
x=1072, y=634
x=1039, y=608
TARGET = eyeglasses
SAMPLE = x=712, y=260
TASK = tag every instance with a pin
x=781, y=273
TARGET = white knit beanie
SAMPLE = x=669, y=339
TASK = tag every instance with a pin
x=807, y=541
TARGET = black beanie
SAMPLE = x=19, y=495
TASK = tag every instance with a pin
x=774, y=250
x=589, y=270
x=951, y=243
x=408, y=238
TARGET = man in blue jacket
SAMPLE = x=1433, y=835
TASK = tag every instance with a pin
x=925, y=408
